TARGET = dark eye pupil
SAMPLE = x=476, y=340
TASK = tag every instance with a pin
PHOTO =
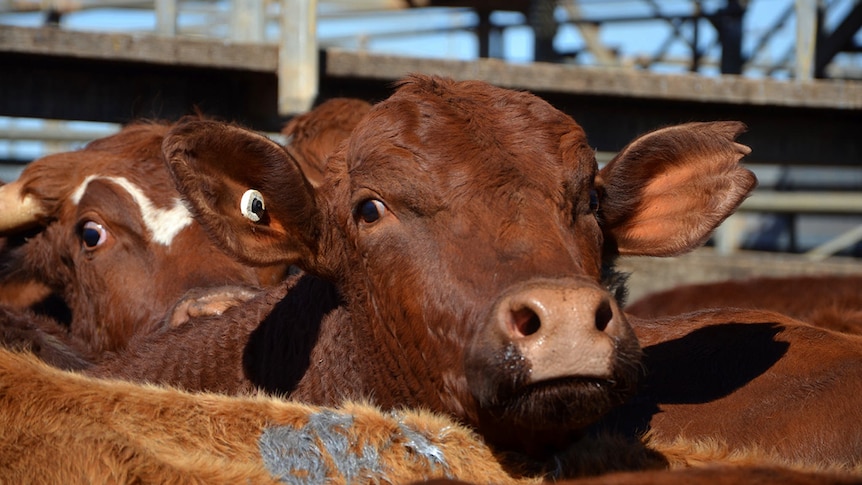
x=257, y=206
x=369, y=212
x=594, y=200
x=91, y=237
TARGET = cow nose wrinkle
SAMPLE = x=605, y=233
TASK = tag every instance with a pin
x=524, y=322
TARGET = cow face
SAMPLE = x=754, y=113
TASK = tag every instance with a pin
x=113, y=238
x=464, y=226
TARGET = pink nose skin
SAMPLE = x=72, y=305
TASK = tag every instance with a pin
x=561, y=331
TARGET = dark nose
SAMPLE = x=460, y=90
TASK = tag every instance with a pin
x=560, y=329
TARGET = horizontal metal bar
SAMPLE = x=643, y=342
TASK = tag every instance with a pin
x=804, y=202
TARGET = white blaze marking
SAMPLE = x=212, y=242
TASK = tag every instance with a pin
x=163, y=224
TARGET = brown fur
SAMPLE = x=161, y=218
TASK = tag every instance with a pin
x=126, y=285
x=751, y=379
x=313, y=136
x=403, y=309
x=64, y=428
x=711, y=475
x=40, y=335
x=48, y=271
x=397, y=308
x=98, y=431
x=721, y=475
x=827, y=301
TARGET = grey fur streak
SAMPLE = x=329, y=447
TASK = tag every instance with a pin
x=296, y=455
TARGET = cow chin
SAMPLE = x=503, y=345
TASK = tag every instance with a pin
x=569, y=403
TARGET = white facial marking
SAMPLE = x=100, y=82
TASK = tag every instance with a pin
x=163, y=224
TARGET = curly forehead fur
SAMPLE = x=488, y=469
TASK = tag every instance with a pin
x=445, y=126
x=472, y=116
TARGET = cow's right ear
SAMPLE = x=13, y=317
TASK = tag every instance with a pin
x=246, y=190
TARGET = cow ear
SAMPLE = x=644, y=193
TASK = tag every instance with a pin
x=665, y=192
x=18, y=210
x=245, y=189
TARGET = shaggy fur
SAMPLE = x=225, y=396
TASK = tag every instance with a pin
x=61, y=427
x=64, y=428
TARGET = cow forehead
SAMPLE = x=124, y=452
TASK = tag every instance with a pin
x=440, y=122
x=163, y=224
x=442, y=148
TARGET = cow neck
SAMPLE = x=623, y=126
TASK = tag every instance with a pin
x=336, y=353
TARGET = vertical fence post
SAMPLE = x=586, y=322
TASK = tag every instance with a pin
x=166, y=17
x=806, y=37
x=297, y=56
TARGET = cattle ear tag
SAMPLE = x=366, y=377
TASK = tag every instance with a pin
x=252, y=205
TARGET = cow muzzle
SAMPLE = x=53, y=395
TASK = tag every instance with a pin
x=560, y=330
x=551, y=329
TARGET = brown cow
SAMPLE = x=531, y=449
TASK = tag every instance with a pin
x=828, y=301
x=128, y=281
x=458, y=240
x=454, y=254
x=104, y=229
x=59, y=427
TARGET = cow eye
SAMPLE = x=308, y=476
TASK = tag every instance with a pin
x=93, y=235
x=594, y=200
x=370, y=210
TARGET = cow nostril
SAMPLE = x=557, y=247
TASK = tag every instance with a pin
x=525, y=322
x=604, y=314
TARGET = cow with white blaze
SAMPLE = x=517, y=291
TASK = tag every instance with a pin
x=106, y=233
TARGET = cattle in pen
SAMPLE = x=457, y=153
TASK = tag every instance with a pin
x=102, y=235
x=458, y=257
x=102, y=242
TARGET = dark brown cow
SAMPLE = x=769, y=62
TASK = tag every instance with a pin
x=828, y=301
x=454, y=253
x=104, y=229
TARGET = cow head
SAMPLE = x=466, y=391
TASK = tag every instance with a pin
x=107, y=231
x=466, y=227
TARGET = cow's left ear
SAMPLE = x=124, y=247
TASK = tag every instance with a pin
x=246, y=190
x=665, y=192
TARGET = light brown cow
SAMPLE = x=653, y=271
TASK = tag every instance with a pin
x=59, y=427
x=827, y=301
